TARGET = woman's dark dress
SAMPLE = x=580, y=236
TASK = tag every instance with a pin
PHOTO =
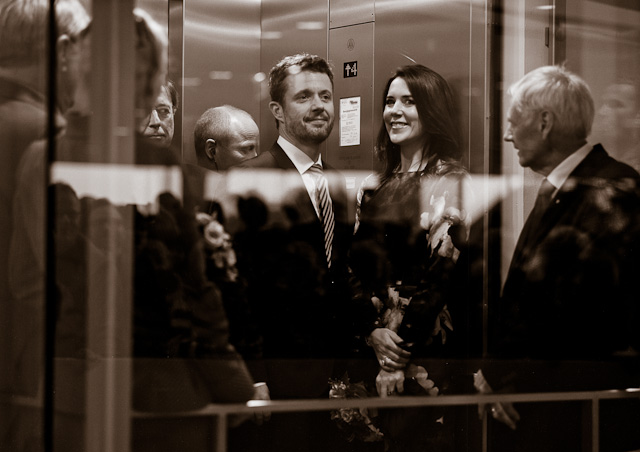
x=410, y=229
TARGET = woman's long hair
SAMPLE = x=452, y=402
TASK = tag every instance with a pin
x=436, y=110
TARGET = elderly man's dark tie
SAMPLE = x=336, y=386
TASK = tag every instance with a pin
x=326, y=209
x=533, y=221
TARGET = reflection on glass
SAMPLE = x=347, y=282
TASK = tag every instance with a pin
x=617, y=122
x=25, y=115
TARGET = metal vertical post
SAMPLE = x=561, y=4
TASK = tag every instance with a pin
x=108, y=378
x=595, y=424
x=221, y=430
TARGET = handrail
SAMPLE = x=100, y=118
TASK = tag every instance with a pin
x=391, y=402
x=222, y=411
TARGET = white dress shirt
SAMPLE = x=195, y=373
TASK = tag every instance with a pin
x=559, y=175
x=303, y=162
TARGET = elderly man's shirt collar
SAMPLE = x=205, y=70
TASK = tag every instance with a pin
x=559, y=175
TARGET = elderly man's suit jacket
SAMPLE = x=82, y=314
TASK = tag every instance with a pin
x=569, y=307
x=571, y=290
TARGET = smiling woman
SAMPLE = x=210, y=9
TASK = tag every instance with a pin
x=410, y=230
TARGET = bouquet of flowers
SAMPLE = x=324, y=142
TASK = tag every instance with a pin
x=218, y=245
x=354, y=422
x=437, y=223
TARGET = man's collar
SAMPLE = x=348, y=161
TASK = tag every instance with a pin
x=300, y=160
x=559, y=175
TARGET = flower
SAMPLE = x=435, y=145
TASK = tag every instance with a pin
x=215, y=235
x=218, y=245
x=353, y=422
x=437, y=224
x=396, y=306
x=444, y=318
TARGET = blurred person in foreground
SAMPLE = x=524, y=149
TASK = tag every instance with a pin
x=182, y=357
x=569, y=305
x=24, y=113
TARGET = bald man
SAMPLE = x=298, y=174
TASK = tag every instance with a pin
x=225, y=136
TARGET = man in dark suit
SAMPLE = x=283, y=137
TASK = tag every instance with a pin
x=293, y=252
x=570, y=292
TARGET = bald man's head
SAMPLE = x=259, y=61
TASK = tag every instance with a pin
x=225, y=136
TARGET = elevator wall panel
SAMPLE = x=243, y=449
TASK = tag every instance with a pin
x=221, y=60
x=351, y=52
x=436, y=34
x=350, y=12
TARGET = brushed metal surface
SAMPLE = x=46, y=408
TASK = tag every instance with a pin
x=221, y=60
x=343, y=13
x=349, y=44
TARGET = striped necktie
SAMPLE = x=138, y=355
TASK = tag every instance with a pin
x=326, y=209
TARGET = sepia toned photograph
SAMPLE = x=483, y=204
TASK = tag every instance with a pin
x=320, y=226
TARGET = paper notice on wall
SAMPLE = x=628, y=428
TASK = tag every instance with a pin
x=350, y=121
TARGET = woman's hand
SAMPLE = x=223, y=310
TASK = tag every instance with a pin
x=388, y=383
x=420, y=375
x=390, y=355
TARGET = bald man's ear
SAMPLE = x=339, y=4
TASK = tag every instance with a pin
x=210, y=149
x=276, y=110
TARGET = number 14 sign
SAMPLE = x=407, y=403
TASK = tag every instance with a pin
x=350, y=69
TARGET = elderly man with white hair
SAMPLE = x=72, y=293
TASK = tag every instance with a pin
x=571, y=292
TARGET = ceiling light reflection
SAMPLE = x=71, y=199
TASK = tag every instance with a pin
x=220, y=75
x=271, y=35
x=310, y=25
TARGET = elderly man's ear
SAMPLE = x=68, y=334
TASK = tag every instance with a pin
x=210, y=149
x=63, y=45
x=545, y=122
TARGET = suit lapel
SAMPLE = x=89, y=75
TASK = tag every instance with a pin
x=281, y=158
x=303, y=203
x=571, y=191
x=559, y=206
